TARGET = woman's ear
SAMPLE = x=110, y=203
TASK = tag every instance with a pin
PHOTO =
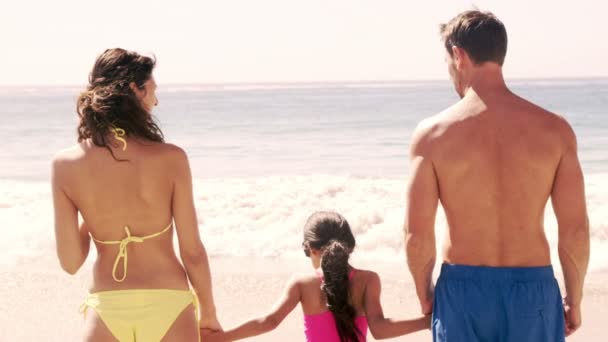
x=140, y=93
x=133, y=87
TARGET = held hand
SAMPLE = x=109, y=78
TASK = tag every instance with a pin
x=426, y=302
x=573, y=318
x=208, y=335
x=209, y=324
x=428, y=322
x=426, y=306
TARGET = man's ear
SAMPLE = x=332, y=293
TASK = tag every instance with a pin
x=460, y=56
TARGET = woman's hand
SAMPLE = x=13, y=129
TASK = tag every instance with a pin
x=212, y=336
x=210, y=323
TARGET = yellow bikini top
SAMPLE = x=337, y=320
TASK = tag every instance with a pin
x=122, y=251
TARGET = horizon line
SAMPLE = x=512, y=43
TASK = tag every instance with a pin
x=320, y=82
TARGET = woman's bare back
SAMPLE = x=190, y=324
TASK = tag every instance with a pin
x=135, y=193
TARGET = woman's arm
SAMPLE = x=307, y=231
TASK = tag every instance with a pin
x=192, y=250
x=382, y=327
x=266, y=323
x=72, y=242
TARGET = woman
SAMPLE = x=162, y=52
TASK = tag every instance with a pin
x=129, y=186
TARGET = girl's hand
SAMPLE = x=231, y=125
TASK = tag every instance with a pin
x=428, y=321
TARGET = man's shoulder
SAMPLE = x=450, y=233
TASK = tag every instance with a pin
x=429, y=131
x=438, y=123
x=553, y=122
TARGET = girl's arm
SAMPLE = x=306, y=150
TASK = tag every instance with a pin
x=382, y=327
x=263, y=324
x=72, y=242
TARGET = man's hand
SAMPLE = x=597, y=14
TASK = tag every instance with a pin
x=426, y=302
x=573, y=318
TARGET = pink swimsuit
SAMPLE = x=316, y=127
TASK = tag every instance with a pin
x=322, y=327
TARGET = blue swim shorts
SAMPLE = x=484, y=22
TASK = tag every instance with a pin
x=497, y=304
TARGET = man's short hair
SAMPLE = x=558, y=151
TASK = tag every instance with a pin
x=480, y=34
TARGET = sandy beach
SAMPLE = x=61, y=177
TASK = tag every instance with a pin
x=40, y=303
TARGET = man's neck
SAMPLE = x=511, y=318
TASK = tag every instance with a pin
x=485, y=80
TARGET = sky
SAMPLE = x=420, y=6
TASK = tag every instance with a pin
x=258, y=41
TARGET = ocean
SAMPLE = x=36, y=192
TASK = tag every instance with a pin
x=265, y=156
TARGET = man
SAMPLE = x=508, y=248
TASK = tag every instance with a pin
x=493, y=160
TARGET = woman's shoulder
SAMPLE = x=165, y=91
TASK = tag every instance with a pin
x=174, y=157
x=66, y=163
x=69, y=155
x=161, y=153
x=173, y=151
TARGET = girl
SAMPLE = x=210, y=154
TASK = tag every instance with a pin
x=339, y=301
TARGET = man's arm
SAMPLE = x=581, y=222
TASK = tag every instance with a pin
x=568, y=198
x=421, y=208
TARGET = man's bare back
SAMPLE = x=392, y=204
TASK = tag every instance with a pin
x=495, y=161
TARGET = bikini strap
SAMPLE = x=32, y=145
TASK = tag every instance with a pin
x=119, y=134
x=115, y=242
x=122, y=251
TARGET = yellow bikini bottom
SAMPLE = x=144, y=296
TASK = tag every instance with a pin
x=140, y=314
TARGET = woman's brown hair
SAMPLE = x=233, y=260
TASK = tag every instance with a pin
x=109, y=102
